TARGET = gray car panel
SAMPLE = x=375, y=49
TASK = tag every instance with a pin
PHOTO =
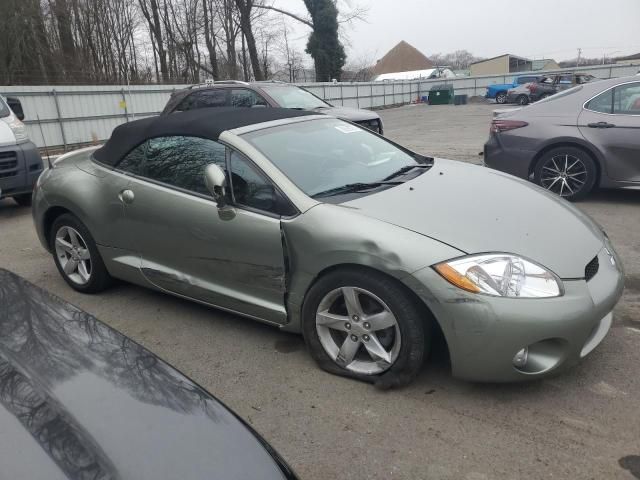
x=516, y=225
x=191, y=248
x=319, y=240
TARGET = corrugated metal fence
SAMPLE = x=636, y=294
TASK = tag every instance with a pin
x=69, y=115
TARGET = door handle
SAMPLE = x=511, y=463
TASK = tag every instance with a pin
x=600, y=125
x=126, y=196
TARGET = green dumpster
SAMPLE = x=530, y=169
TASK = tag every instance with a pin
x=441, y=94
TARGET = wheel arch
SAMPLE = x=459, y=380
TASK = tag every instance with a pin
x=429, y=316
x=573, y=144
x=49, y=218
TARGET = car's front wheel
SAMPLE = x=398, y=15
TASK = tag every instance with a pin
x=566, y=171
x=501, y=98
x=522, y=100
x=76, y=256
x=364, y=325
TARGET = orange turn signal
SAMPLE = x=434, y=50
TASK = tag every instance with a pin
x=452, y=276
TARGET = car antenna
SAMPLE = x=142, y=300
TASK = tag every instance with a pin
x=44, y=142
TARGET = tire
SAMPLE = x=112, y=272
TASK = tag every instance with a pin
x=522, y=100
x=544, y=95
x=90, y=274
x=24, y=200
x=405, y=342
x=501, y=98
x=579, y=168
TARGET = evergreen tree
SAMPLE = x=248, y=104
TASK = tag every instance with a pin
x=324, y=46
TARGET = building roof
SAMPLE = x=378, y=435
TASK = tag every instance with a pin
x=635, y=56
x=204, y=123
x=500, y=56
x=402, y=58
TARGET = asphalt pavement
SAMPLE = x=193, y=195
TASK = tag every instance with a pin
x=583, y=424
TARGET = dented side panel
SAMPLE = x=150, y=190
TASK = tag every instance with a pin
x=231, y=258
x=331, y=235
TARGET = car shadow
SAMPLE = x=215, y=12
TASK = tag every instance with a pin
x=10, y=209
x=618, y=196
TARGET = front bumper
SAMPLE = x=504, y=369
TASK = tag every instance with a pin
x=484, y=333
x=20, y=167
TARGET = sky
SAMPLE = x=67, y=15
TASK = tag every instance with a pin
x=488, y=28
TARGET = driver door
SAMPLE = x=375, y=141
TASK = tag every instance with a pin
x=232, y=258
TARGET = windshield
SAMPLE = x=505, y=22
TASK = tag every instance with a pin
x=322, y=155
x=289, y=96
x=4, y=110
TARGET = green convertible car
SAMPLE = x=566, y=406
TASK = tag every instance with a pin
x=322, y=227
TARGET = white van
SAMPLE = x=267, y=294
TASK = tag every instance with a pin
x=20, y=161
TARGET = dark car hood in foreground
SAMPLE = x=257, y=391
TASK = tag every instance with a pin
x=478, y=210
x=79, y=400
x=351, y=114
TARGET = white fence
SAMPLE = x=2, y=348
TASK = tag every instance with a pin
x=70, y=115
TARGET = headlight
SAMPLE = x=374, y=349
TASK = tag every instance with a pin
x=501, y=275
x=17, y=127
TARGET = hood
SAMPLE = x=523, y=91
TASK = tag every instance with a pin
x=478, y=210
x=80, y=400
x=351, y=114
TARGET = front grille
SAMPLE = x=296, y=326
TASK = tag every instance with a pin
x=591, y=269
x=8, y=164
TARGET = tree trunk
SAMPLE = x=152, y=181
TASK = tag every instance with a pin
x=210, y=40
x=245, y=8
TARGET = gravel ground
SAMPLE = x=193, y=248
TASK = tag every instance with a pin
x=583, y=424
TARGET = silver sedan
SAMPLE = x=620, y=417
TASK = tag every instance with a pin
x=574, y=141
x=321, y=227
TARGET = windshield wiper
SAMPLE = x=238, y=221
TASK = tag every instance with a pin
x=405, y=169
x=353, y=187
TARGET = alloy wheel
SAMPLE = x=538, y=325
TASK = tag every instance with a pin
x=564, y=175
x=74, y=255
x=358, y=330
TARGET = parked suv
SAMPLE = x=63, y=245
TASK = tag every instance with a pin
x=234, y=93
x=20, y=161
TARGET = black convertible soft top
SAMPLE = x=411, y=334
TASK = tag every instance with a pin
x=205, y=123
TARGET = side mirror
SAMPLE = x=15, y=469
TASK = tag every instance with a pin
x=16, y=106
x=216, y=181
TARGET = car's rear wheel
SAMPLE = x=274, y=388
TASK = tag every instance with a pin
x=522, y=100
x=24, y=200
x=76, y=256
x=364, y=325
x=501, y=97
x=566, y=171
x=544, y=95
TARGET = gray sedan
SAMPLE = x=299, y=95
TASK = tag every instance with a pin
x=574, y=141
x=321, y=227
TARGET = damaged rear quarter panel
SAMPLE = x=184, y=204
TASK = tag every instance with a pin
x=332, y=235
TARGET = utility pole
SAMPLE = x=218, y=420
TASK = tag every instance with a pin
x=579, y=55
